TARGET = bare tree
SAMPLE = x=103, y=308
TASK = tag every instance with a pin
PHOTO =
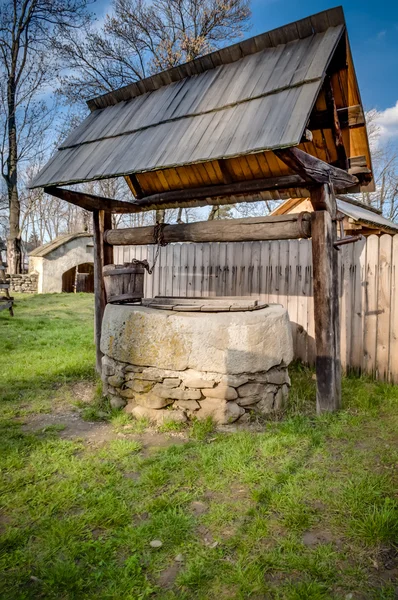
x=26, y=67
x=385, y=168
x=141, y=38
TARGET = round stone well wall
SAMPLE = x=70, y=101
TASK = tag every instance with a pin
x=167, y=365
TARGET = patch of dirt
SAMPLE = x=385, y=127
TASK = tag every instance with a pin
x=93, y=432
x=314, y=537
x=167, y=577
x=96, y=432
x=198, y=508
x=83, y=391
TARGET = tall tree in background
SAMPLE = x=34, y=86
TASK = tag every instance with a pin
x=143, y=37
x=385, y=168
x=26, y=68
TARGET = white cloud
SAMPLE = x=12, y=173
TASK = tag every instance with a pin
x=387, y=124
x=381, y=34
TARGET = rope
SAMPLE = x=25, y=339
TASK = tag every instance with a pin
x=159, y=240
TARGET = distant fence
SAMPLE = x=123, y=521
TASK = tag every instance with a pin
x=281, y=272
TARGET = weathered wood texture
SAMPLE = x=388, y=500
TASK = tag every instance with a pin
x=326, y=312
x=233, y=230
x=103, y=255
x=281, y=271
x=313, y=169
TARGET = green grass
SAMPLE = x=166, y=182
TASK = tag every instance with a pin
x=304, y=510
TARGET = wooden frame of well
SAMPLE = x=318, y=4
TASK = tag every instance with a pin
x=318, y=177
x=273, y=117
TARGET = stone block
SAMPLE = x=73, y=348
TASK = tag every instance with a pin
x=133, y=369
x=117, y=402
x=187, y=404
x=128, y=393
x=251, y=389
x=249, y=400
x=266, y=404
x=221, y=411
x=140, y=385
x=278, y=377
x=222, y=392
x=157, y=416
x=152, y=400
x=234, y=380
x=171, y=382
x=108, y=366
x=198, y=383
x=176, y=393
x=116, y=380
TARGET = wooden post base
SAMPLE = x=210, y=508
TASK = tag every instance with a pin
x=326, y=309
x=103, y=254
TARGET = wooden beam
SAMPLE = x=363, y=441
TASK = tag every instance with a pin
x=326, y=311
x=223, y=190
x=91, y=201
x=241, y=191
x=103, y=254
x=134, y=185
x=279, y=227
x=336, y=129
x=315, y=170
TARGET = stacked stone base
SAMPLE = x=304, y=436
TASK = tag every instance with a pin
x=164, y=395
x=24, y=284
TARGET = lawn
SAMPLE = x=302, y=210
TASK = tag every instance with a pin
x=305, y=508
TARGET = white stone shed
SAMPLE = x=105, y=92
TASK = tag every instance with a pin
x=62, y=263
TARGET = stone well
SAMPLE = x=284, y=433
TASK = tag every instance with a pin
x=167, y=365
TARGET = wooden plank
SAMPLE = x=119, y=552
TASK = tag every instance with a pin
x=313, y=169
x=371, y=305
x=326, y=303
x=394, y=313
x=384, y=308
x=99, y=288
x=311, y=347
x=357, y=284
x=190, y=276
x=294, y=254
x=92, y=202
x=303, y=288
x=251, y=229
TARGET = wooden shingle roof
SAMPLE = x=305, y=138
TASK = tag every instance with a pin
x=248, y=98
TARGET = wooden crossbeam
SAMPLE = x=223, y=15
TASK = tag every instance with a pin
x=279, y=227
x=92, y=202
x=315, y=170
x=241, y=191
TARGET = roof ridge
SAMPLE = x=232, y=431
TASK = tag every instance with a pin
x=45, y=249
x=302, y=28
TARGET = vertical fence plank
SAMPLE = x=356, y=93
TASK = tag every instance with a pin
x=264, y=262
x=371, y=305
x=273, y=273
x=394, y=313
x=384, y=308
x=303, y=287
x=293, y=281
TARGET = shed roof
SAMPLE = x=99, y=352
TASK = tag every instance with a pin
x=256, y=95
x=57, y=243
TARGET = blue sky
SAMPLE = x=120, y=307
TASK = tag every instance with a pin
x=373, y=32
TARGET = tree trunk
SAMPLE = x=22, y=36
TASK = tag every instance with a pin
x=14, y=237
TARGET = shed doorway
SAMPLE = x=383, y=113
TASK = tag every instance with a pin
x=79, y=278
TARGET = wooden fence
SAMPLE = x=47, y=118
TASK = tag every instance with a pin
x=281, y=272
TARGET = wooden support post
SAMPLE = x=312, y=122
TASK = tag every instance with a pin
x=103, y=255
x=326, y=303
